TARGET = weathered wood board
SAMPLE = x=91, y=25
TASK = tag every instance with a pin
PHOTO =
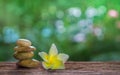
x=72, y=68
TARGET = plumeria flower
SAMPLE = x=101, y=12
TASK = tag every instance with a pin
x=53, y=60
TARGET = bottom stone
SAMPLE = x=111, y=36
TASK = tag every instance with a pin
x=29, y=63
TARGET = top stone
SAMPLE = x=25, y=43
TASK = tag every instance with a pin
x=23, y=42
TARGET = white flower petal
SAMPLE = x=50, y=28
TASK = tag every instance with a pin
x=45, y=65
x=53, y=50
x=44, y=56
x=63, y=57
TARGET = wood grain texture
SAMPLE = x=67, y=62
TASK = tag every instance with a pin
x=72, y=68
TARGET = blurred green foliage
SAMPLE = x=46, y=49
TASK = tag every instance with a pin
x=87, y=30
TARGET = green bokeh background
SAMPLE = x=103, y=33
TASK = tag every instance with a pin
x=86, y=30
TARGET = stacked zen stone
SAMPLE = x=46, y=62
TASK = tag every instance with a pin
x=24, y=53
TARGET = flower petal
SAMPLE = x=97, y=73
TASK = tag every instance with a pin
x=44, y=56
x=53, y=50
x=46, y=65
x=63, y=57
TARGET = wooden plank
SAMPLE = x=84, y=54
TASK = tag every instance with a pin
x=72, y=68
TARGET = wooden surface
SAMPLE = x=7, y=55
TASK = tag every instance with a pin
x=72, y=68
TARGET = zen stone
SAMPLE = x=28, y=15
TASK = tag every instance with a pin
x=23, y=55
x=24, y=42
x=30, y=63
x=24, y=48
